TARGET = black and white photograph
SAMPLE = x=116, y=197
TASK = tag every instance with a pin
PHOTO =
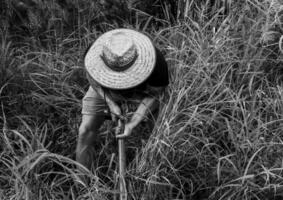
x=141, y=99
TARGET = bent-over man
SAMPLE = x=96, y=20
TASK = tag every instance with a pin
x=122, y=65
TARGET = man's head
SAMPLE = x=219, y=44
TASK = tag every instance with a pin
x=121, y=59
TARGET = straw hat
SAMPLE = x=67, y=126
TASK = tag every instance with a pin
x=121, y=59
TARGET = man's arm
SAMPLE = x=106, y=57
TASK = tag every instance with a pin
x=146, y=107
x=115, y=110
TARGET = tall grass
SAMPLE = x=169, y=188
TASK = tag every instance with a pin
x=218, y=135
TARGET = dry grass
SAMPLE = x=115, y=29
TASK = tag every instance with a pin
x=219, y=132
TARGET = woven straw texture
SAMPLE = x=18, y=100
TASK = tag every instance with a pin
x=129, y=78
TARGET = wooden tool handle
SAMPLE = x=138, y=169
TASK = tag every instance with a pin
x=122, y=162
x=122, y=170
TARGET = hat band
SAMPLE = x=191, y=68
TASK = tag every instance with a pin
x=116, y=66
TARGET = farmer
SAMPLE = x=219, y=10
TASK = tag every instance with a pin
x=122, y=66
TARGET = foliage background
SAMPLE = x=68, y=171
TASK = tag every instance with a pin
x=219, y=133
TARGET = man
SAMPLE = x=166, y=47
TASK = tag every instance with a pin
x=122, y=66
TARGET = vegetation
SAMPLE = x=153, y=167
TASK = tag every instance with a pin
x=219, y=132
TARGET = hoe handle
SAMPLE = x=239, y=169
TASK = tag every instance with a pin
x=122, y=165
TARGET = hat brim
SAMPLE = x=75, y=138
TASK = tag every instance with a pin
x=140, y=70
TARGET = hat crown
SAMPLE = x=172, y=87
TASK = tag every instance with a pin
x=133, y=59
x=119, y=52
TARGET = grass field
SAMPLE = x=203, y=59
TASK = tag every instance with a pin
x=219, y=132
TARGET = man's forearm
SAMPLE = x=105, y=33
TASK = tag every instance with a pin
x=105, y=96
x=147, y=105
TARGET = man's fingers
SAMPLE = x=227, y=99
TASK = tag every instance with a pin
x=121, y=136
x=118, y=130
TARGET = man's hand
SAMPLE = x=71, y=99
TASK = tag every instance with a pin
x=127, y=131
